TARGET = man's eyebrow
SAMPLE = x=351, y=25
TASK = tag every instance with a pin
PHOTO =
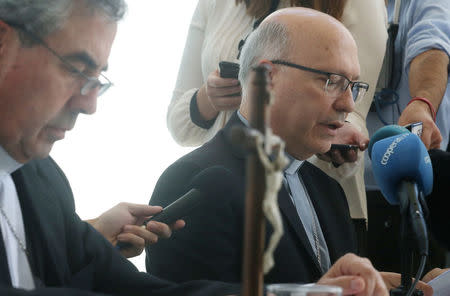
x=85, y=58
x=356, y=78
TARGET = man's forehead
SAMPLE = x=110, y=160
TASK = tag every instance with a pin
x=333, y=51
x=86, y=38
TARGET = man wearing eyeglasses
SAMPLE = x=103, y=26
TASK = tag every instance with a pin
x=32, y=131
x=77, y=66
x=314, y=70
x=52, y=55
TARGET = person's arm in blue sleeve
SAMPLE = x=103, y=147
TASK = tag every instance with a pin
x=427, y=56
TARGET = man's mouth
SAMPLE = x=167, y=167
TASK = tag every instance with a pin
x=56, y=133
x=335, y=125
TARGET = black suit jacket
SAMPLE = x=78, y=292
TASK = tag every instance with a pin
x=439, y=200
x=68, y=255
x=210, y=246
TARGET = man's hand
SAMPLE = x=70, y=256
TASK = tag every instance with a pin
x=218, y=94
x=347, y=134
x=393, y=280
x=356, y=276
x=428, y=76
x=435, y=272
x=419, y=111
x=124, y=223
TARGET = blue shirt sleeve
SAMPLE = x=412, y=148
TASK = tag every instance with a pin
x=430, y=28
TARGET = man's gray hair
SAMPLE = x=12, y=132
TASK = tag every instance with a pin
x=269, y=41
x=43, y=17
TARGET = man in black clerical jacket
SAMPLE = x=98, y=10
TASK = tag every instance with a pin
x=310, y=105
x=313, y=66
x=52, y=54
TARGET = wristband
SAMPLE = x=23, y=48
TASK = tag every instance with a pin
x=425, y=100
x=195, y=115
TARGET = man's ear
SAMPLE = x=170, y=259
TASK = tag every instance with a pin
x=4, y=31
x=271, y=69
x=9, y=44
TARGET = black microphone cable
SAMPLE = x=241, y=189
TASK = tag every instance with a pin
x=423, y=260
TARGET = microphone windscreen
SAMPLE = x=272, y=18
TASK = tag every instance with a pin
x=385, y=132
x=401, y=158
x=214, y=180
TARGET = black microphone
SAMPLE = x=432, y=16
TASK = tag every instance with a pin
x=203, y=189
x=203, y=186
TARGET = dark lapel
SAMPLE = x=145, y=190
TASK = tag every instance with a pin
x=320, y=197
x=5, y=277
x=287, y=208
x=37, y=203
x=237, y=149
x=290, y=212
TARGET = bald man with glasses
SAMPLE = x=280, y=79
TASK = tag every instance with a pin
x=314, y=81
x=313, y=66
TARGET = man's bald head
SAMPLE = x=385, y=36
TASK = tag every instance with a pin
x=296, y=18
x=312, y=34
x=288, y=31
x=304, y=114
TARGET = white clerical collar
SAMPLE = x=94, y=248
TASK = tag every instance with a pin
x=294, y=164
x=243, y=119
x=7, y=163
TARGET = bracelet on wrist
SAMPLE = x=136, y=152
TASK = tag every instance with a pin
x=426, y=101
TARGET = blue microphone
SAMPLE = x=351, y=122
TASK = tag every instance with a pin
x=402, y=168
x=398, y=158
x=384, y=132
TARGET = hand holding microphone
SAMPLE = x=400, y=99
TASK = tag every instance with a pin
x=203, y=186
x=122, y=225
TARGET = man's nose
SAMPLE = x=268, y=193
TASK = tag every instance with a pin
x=345, y=102
x=86, y=104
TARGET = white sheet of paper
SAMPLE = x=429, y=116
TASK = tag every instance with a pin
x=441, y=284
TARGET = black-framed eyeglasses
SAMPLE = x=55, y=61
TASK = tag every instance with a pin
x=92, y=83
x=336, y=84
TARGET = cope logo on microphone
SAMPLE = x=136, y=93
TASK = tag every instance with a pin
x=390, y=149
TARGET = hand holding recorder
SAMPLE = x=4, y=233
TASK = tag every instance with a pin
x=348, y=141
x=123, y=225
x=221, y=92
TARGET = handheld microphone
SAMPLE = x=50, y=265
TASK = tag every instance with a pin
x=204, y=187
x=402, y=157
x=403, y=170
x=385, y=132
